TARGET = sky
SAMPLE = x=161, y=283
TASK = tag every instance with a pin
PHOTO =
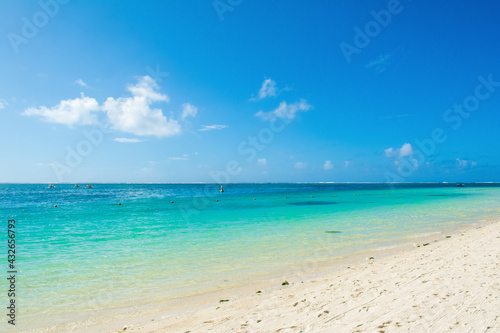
x=232, y=91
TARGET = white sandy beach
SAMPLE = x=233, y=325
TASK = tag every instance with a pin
x=451, y=284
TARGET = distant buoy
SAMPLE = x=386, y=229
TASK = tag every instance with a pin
x=254, y=199
x=312, y=196
x=221, y=189
x=335, y=195
x=55, y=206
x=171, y=202
x=286, y=197
x=119, y=204
x=216, y=200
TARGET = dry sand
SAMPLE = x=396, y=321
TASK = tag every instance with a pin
x=450, y=285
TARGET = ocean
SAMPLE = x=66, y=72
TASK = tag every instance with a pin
x=82, y=251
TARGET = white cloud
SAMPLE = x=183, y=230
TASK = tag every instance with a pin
x=188, y=110
x=415, y=164
x=262, y=161
x=328, y=165
x=405, y=150
x=285, y=111
x=300, y=165
x=380, y=63
x=3, y=103
x=146, y=88
x=212, y=127
x=462, y=164
x=382, y=59
x=389, y=152
x=134, y=114
x=78, y=111
x=126, y=140
x=81, y=83
x=183, y=158
x=268, y=89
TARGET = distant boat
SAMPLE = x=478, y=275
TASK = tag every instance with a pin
x=460, y=185
x=51, y=186
x=89, y=186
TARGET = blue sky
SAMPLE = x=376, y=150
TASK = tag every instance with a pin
x=249, y=91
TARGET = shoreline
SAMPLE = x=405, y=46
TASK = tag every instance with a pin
x=170, y=315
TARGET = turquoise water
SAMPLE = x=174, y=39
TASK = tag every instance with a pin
x=90, y=253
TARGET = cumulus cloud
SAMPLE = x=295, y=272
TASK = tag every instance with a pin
x=268, y=89
x=132, y=114
x=262, y=161
x=188, y=110
x=78, y=111
x=328, y=165
x=126, y=140
x=3, y=103
x=285, y=111
x=300, y=165
x=81, y=83
x=389, y=152
x=405, y=150
x=403, y=157
x=212, y=127
x=135, y=115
